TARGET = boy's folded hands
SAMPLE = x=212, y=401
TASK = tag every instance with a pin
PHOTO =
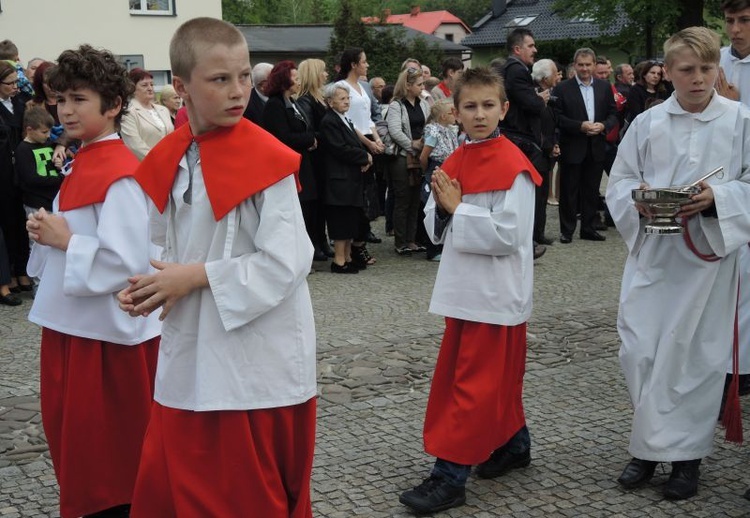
x=161, y=289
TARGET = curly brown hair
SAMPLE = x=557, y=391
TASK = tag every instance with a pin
x=87, y=67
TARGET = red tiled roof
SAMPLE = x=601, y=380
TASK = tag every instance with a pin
x=427, y=22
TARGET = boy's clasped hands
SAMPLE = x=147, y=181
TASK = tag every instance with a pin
x=48, y=229
x=163, y=289
x=447, y=192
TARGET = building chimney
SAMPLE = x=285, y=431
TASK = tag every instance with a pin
x=386, y=14
x=415, y=10
x=499, y=7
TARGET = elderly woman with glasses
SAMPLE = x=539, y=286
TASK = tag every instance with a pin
x=649, y=86
x=406, y=118
x=146, y=122
x=12, y=215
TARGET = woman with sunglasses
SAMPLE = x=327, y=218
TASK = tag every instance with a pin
x=12, y=215
x=284, y=120
x=649, y=86
x=406, y=118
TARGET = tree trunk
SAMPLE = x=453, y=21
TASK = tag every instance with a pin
x=691, y=14
x=650, y=41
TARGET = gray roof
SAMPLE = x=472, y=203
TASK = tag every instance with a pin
x=547, y=25
x=302, y=39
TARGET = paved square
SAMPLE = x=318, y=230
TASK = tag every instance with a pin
x=376, y=350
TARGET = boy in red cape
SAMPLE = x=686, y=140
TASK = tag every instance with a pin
x=482, y=210
x=232, y=429
x=97, y=364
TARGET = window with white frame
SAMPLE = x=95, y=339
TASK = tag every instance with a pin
x=162, y=78
x=584, y=18
x=521, y=21
x=152, y=7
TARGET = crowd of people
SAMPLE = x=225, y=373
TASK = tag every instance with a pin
x=168, y=276
x=34, y=148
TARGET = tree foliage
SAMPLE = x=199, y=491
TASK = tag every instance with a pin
x=386, y=47
x=326, y=11
x=650, y=22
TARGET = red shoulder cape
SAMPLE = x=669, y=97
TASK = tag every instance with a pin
x=491, y=165
x=95, y=168
x=237, y=162
x=444, y=88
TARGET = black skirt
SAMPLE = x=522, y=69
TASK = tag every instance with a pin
x=343, y=221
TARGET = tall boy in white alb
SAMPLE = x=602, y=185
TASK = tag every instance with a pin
x=232, y=430
x=676, y=309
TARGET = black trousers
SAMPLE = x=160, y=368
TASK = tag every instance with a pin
x=579, y=183
x=4, y=264
x=13, y=225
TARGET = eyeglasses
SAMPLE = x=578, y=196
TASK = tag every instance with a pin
x=413, y=70
x=9, y=83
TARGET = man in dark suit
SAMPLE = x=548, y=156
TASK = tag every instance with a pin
x=586, y=111
x=523, y=121
x=258, y=98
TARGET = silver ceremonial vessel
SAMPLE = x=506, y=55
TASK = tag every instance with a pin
x=664, y=204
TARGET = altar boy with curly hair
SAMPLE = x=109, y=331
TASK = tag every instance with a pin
x=97, y=364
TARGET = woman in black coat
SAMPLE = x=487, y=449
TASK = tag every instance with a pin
x=12, y=214
x=310, y=100
x=284, y=120
x=345, y=160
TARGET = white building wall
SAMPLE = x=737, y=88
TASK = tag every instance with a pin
x=44, y=28
x=459, y=33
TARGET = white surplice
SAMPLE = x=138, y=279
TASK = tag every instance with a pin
x=486, y=272
x=676, y=310
x=738, y=73
x=247, y=341
x=77, y=293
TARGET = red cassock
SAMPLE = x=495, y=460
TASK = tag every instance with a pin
x=475, y=403
x=249, y=463
x=95, y=395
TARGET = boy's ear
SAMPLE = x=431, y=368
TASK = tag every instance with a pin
x=665, y=68
x=504, y=109
x=115, y=110
x=179, y=85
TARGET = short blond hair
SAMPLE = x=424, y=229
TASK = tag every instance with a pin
x=199, y=33
x=310, y=81
x=166, y=92
x=477, y=77
x=703, y=42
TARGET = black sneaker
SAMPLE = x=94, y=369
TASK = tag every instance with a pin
x=433, y=495
x=501, y=461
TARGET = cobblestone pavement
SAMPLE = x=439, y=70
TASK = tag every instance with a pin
x=376, y=350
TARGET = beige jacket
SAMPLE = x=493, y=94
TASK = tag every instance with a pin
x=140, y=131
